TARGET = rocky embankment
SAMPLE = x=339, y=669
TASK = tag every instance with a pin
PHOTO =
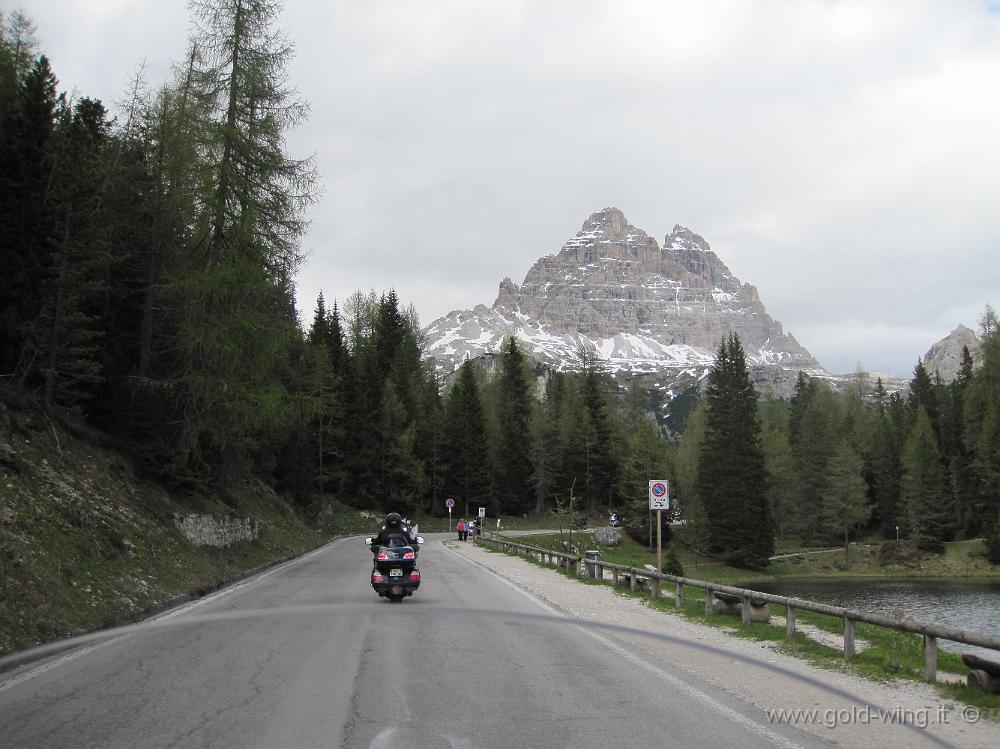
x=85, y=541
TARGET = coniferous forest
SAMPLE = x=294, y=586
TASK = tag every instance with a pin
x=147, y=289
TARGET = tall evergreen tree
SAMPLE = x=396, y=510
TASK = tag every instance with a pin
x=27, y=126
x=887, y=474
x=981, y=432
x=513, y=464
x=64, y=338
x=319, y=331
x=466, y=452
x=928, y=512
x=601, y=466
x=732, y=474
x=922, y=393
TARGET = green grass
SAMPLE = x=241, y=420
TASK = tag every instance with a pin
x=890, y=655
x=85, y=542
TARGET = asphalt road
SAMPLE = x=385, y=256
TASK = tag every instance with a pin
x=307, y=655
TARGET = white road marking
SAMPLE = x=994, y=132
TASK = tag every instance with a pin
x=182, y=609
x=695, y=693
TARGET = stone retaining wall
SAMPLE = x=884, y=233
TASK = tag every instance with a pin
x=208, y=530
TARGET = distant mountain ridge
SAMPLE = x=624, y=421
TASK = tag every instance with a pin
x=643, y=309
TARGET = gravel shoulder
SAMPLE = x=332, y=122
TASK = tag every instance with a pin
x=744, y=668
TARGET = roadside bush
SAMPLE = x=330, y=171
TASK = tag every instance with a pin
x=898, y=553
x=672, y=563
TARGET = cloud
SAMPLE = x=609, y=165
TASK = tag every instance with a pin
x=841, y=156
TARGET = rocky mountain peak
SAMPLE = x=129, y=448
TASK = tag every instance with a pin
x=613, y=291
x=945, y=356
x=683, y=239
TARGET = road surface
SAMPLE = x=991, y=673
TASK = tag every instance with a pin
x=321, y=661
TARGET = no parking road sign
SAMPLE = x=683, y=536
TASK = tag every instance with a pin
x=449, y=503
x=659, y=494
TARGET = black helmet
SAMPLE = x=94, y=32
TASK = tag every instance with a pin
x=393, y=520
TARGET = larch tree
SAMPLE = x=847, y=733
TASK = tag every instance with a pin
x=237, y=302
x=845, y=505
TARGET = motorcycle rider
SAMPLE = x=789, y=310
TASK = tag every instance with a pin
x=394, y=533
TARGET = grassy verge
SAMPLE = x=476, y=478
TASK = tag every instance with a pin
x=890, y=655
x=87, y=543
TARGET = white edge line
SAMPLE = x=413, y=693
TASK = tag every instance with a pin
x=692, y=691
x=182, y=609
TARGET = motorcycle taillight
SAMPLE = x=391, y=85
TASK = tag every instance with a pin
x=377, y=577
x=415, y=575
x=382, y=555
x=408, y=555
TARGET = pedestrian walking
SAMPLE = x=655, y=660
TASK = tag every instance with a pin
x=461, y=529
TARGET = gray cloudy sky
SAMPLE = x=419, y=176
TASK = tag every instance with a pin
x=844, y=157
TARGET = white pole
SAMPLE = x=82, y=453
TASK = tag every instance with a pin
x=659, y=543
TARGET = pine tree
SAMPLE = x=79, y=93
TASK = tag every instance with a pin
x=600, y=462
x=732, y=474
x=27, y=126
x=319, y=332
x=65, y=337
x=922, y=394
x=887, y=474
x=466, y=452
x=513, y=464
x=335, y=339
x=927, y=510
x=981, y=432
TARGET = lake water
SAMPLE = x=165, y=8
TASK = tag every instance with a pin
x=963, y=604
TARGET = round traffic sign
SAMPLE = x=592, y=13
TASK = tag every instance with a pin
x=659, y=489
x=449, y=503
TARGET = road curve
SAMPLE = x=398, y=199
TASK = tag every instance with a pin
x=323, y=662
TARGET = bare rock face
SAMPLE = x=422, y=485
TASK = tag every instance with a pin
x=613, y=292
x=945, y=356
x=607, y=536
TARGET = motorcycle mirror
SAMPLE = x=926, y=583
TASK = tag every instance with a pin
x=420, y=540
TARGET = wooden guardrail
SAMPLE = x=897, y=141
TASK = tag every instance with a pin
x=577, y=564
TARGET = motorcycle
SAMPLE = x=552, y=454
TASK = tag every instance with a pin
x=394, y=570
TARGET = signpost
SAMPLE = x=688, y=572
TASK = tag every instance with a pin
x=659, y=500
x=449, y=503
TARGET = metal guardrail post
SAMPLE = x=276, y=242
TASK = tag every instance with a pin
x=745, y=609
x=654, y=587
x=930, y=657
x=930, y=632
